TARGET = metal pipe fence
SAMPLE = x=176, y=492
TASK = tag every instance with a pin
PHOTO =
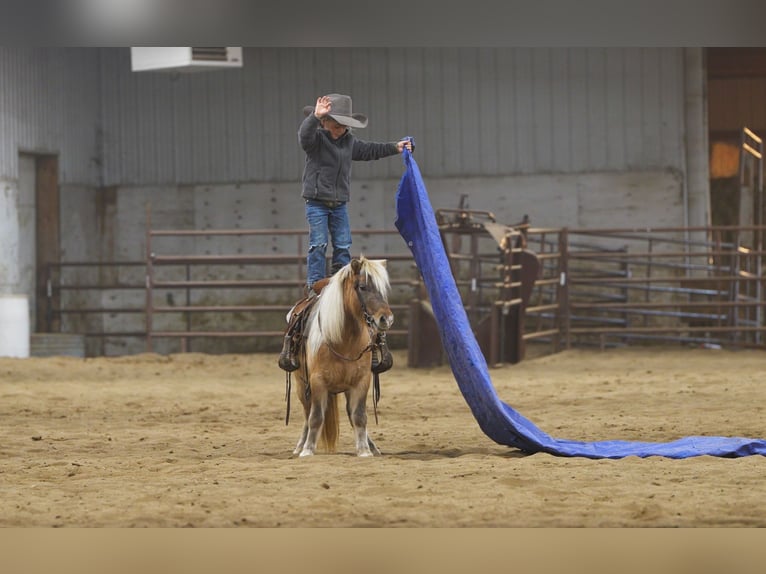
x=655, y=285
x=247, y=294
x=595, y=287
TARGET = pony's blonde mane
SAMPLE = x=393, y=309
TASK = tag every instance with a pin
x=326, y=321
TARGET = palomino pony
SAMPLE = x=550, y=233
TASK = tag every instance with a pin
x=337, y=355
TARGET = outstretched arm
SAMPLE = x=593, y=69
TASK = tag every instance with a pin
x=366, y=151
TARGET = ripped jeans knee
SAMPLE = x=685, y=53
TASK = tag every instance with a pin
x=316, y=263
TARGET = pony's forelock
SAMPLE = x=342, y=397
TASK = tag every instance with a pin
x=377, y=273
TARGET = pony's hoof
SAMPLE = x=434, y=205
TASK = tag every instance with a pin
x=373, y=447
x=364, y=454
x=305, y=453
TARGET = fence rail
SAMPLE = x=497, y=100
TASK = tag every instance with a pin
x=271, y=283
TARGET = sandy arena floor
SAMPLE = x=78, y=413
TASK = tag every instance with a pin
x=200, y=440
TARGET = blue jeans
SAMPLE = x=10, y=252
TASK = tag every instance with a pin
x=326, y=224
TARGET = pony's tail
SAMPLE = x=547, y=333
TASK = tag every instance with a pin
x=330, y=428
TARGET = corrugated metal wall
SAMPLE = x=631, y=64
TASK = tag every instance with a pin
x=49, y=103
x=473, y=111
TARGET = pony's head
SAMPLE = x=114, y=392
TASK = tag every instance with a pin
x=359, y=287
x=371, y=286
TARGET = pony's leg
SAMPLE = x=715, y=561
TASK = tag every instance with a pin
x=305, y=402
x=314, y=422
x=302, y=439
x=357, y=398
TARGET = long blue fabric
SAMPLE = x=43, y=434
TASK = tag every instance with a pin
x=417, y=224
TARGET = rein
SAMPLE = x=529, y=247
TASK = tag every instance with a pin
x=361, y=353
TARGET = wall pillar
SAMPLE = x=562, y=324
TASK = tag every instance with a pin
x=10, y=273
x=696, y=139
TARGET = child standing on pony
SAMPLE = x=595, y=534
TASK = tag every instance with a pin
x=330, y=145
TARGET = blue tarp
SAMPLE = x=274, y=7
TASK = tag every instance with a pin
x=499, y=421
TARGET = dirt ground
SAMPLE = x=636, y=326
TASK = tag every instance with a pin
x=200, y=440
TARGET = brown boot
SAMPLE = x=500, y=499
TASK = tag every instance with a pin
x=288, y=358
x=382, y=359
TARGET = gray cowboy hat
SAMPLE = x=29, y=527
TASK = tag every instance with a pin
x=341, y=111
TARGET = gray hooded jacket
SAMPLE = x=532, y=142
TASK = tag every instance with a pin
x=327, y=173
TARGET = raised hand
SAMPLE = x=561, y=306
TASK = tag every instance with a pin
x=323, y=106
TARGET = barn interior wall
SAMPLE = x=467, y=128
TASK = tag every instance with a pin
x=569, y=137
x=473, y=112
x=82, y=239
x=633, y=199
